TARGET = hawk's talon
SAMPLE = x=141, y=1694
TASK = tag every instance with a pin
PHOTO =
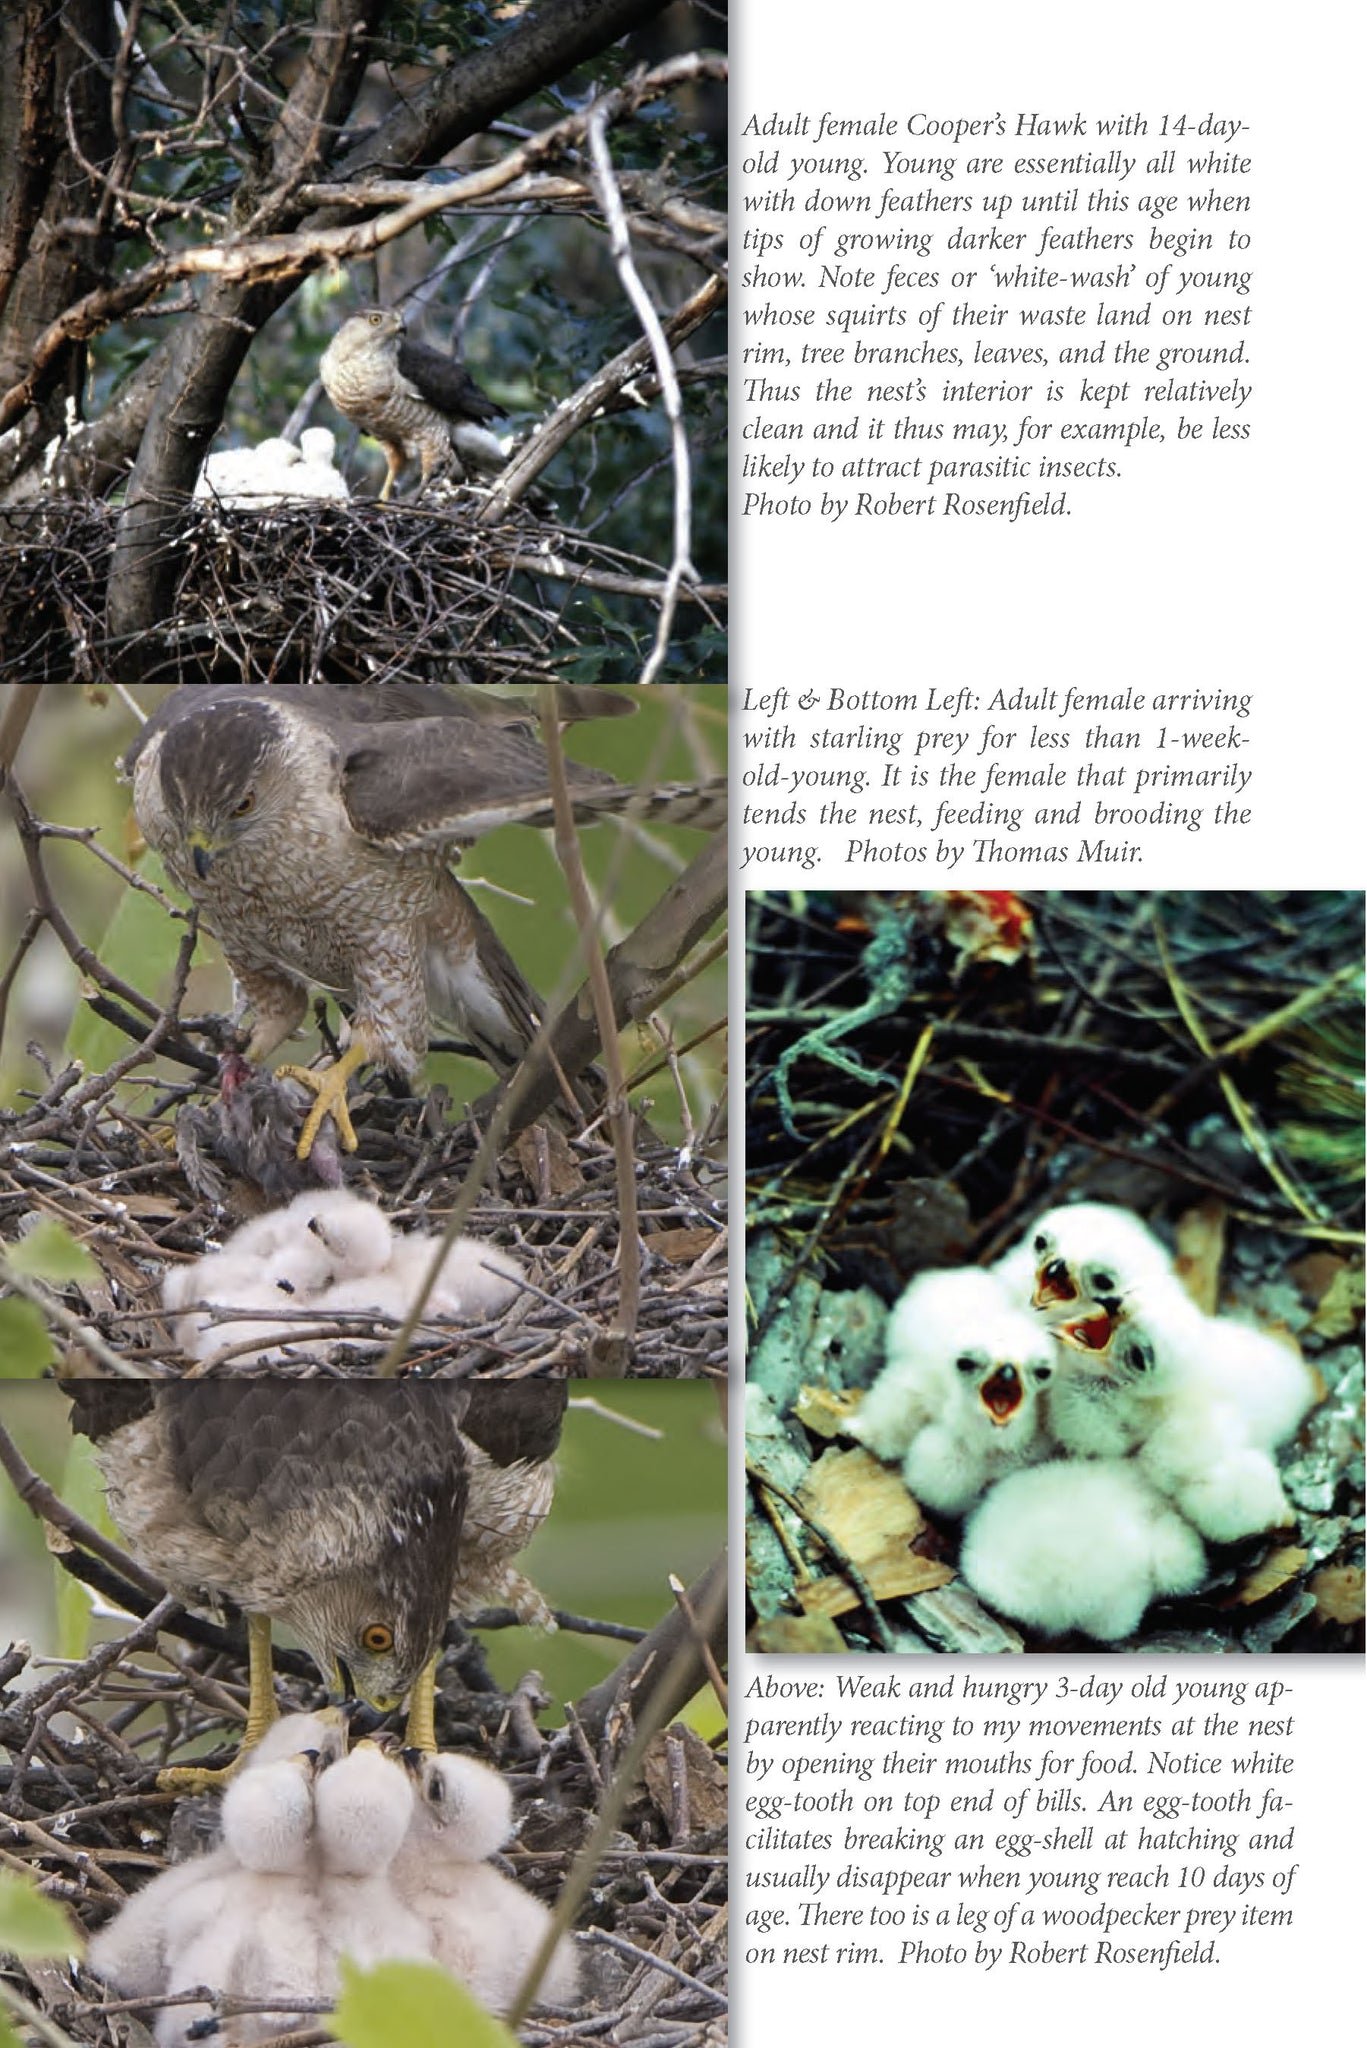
x=187, y=1779
x=329, y=1090
x=261, y=1713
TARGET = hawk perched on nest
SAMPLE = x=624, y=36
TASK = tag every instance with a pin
x=314, y=826
x=357, y=1513
x=413, y=400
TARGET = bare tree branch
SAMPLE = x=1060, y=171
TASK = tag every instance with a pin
x=637, y=972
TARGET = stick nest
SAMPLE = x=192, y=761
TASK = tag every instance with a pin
x=306, y=591
x=115, y=1182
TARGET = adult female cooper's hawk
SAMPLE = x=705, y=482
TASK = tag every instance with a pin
x=314, y=826
x=358, y=1513
x=413, y=400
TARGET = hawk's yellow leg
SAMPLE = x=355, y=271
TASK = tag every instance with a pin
x=421, y=1732
x=261, y=1711
x=393, y=464
x=329, y=1089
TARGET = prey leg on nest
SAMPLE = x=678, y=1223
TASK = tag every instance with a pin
x=329, y=1088
x=888, y=972
x=261, y=1712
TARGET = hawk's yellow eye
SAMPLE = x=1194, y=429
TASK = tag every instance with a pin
x=247, y=805
x=377, y=1639
x=377, y=319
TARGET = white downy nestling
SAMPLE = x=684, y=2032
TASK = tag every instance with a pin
x=1083, y=1252
x=364, y=1811
x=1079, y=1544
x=484, y=1928
x=255, y=1929
x=959, y=1401
x=1201, y=1401
x=329, y=1252
x=190, y=1921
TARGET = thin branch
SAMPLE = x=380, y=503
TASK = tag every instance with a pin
x=20, y=706
x=571, y=858
x=681, y=565
x=652, y=1684
x=39, y=1498
x=272, y=258
x=550, y=437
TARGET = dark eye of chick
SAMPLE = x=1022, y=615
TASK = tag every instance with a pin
x=1044, y=1372
x=1137, y=1358
x=965, y=1364
x=1041, y=1243
x=1104, y=1283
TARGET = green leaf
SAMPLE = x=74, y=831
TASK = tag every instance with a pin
x=8, y=2037
x=411, y=2005
x=31, y=1925
x=25, y=1346
x=51, y=1253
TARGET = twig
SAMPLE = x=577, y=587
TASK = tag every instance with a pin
x=653, y=1701
x=552, y=434
x=681, y=565
x=571, y=860
x=718, y=1683
x=845, y=1565
x=14, y=723
x=70, y=1325
x=40, y=1499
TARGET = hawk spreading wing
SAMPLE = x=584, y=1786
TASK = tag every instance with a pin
x=413, y=400
x=314, y=826
x=357, y=1513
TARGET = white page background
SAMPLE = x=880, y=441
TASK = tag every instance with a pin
x=1201, y=568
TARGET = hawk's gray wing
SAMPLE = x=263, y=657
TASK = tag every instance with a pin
x=243, y=1456
x=417, y=764
x=302, y=1481
x=515, y=1421
x=262, y=1450
x=445, y=383
x=447, y=781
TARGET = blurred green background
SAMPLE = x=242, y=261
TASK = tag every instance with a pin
x=67, y=771
x=630, y=1509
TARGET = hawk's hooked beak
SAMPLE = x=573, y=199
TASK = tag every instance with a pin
x=202, y=852
x=344, y=1690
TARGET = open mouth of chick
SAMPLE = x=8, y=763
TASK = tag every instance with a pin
x=1001, y=1393
x=1091, y=1332
x=1054, y=1285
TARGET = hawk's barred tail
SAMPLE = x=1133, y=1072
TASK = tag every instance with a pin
x=702, y=805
